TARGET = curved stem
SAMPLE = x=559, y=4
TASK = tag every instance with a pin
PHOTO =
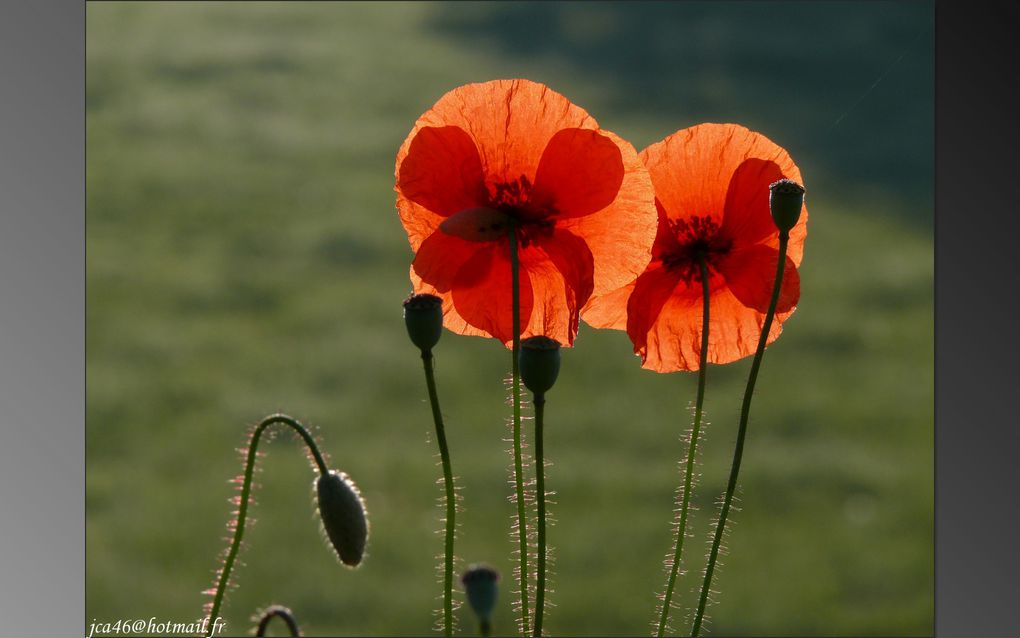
x=685, y=496
x=540, y=489
x=283, y=613
x=242, y=510
x=522, y=526
x=451, y=503
x=738, y=451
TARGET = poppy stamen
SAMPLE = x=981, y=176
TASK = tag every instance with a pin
x=514, y=199
x=697, y=239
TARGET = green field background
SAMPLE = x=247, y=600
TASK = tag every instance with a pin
x=244, y=256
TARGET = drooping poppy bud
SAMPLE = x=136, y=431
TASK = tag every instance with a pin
x=343, y=516
x=480, y=585
x=274, y=611
x=540, y=363
x=786, y=198
x=423, y=315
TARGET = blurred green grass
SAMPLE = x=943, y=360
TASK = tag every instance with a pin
x=244, y=256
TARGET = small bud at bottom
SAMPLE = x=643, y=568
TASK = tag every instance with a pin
x=480, y=585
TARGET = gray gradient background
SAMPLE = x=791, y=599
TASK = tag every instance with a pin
x=42, y=328
x=977, y=506
x=42, y=256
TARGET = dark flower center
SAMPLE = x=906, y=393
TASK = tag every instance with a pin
x=532, y=218
x=696, y=238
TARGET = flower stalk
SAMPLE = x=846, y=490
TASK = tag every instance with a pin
x=738, y=450
x=451, y=502
x=540, y=489
x=685, y=495
x=423, y=315
x=540, y=365
x=245, y=497
x=522, y=527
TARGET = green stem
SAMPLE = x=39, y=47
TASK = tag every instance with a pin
x=242, y=510
x=522, y=527
x=681, y=531
x=540, y=489
x=451, y=503
x=738, y=451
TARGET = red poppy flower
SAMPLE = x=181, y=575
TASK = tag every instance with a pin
x=515, y=153
x=712, y=195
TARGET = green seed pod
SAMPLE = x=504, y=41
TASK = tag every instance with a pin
x=540, y=363
x=423, y=315
x=343, y=516
x=786, y=198
x=480, y=585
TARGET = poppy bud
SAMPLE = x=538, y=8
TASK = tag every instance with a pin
x=480, y=586
x=786, y=197
x=343, y=516
x=273, y=611
x=540, y=363
x=423, y=315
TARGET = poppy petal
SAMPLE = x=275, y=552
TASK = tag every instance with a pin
x=750, y=274
x=580, y=173
x=482, y=292
x=473, y=280
x=608, y=310
x=708, y=157
x=690, y=173
x=451, y=320
x=673, y=339
x=561, y=271
x=434, y=271
x=652, y=290
x=442, y=171
x=510, y=122
x=747, y=218
x=620, y=235
x=440, y=258
x=439, y=174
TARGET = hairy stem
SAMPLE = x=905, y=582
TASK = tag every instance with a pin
x=685, y=496
x=522, y=527
x=540, y=489
x=242, y=511
x=738, y=450
x=451, y=503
